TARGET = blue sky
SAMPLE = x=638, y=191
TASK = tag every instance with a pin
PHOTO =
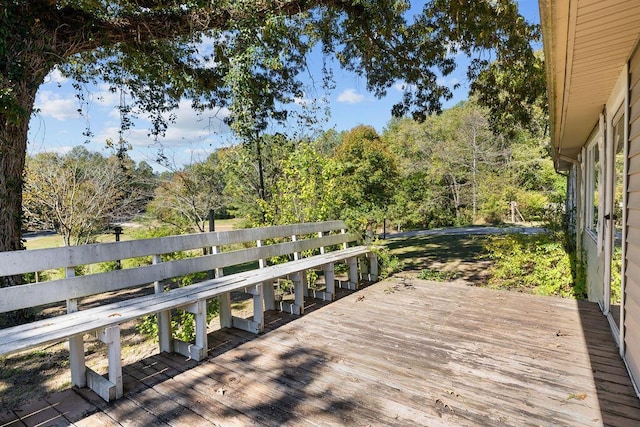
x=57, y=126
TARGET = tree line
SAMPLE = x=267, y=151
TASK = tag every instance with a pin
x=450, y=169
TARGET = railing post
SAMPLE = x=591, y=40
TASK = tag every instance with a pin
x=345, y=245
x=296, y=255
x=76, y=344
x=320, y=236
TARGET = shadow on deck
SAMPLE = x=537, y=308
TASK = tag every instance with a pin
x=400, y=352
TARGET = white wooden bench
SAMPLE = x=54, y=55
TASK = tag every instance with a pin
x=327, y=243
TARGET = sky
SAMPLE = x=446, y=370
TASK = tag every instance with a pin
x=58, y=126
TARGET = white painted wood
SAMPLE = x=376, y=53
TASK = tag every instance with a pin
x=262, y=263
x=296, y=255
x=322, y=295
x=165, y=334
x=373, y=266
x=77, y=364
x=353, y=271
x=248, y=325
x=269, y=295
x=111, y=336
x=61, y=327
x=106, y=318
x=188, y=349
x=258, y=308
x=298, y=289
x=36, y=294
x=14, y=262
x=199, y=310
x=100, y=385
x=225, y=310
x=329, y=279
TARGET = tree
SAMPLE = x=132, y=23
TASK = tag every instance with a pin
x=306, y=190
x=78, y=194
x=184, y=198
x=255, y=51
x=366, y=173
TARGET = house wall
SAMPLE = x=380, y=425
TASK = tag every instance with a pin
x=631, y=249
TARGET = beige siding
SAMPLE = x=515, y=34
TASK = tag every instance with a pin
x=632, y=244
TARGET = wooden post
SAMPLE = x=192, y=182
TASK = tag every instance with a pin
x=165, y=334
x=320, y=235
x=373, y=267
x=329, y=280
x=76, y=345
x=296, y=255
x=353, y=273
x=298, y=307
x=117, y=230
x=111, y=337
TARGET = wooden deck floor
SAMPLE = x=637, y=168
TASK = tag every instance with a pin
x=396, y=353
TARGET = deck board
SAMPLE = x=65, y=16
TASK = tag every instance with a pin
x=395, y=353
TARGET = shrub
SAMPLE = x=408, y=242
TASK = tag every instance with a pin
x=532, y=263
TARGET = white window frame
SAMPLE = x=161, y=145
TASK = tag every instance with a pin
x=594, y=145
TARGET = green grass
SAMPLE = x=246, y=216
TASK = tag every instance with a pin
x=418, y=253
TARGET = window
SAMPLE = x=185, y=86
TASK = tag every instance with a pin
x=593, y=182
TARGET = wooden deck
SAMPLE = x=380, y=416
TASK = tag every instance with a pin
x=400, y=352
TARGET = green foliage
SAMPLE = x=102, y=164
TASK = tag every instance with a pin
x=387, y=262
x=80, y=193
x=184, y=198
x=532, y=263
x=437, y=276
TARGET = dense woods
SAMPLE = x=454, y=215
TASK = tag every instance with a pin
x=450, y=169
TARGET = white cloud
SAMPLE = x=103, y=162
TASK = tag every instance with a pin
x=189, y=127
x=448, y=81
x=350, y=96
x=403, y=86
x=55, y=76
x=57, y=107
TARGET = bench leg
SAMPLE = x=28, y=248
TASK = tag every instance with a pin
x=353, y=273
x=305, y=283
x=165, y=334
x=373, y=266
x=111, y=388
x=269, y=296
x=330, y=281
x=300, y=285
x=225, y=310
x=197, y=351
x=77, y=361
x=255, y=325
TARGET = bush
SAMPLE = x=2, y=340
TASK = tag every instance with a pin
x=387, y=263
x=532, y=263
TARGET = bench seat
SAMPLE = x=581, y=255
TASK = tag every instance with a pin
x=105, y=319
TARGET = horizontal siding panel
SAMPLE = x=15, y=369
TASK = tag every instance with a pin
x=634, y=165
x=633, y=237
x=633, y=200
x=633, y=219
x=632, y=287
x=603, y=23
x=633, y=183
x=600, y=7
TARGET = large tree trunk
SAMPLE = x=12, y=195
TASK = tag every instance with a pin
x=13, y=146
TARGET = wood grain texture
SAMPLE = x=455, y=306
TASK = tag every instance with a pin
x=399, y=352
